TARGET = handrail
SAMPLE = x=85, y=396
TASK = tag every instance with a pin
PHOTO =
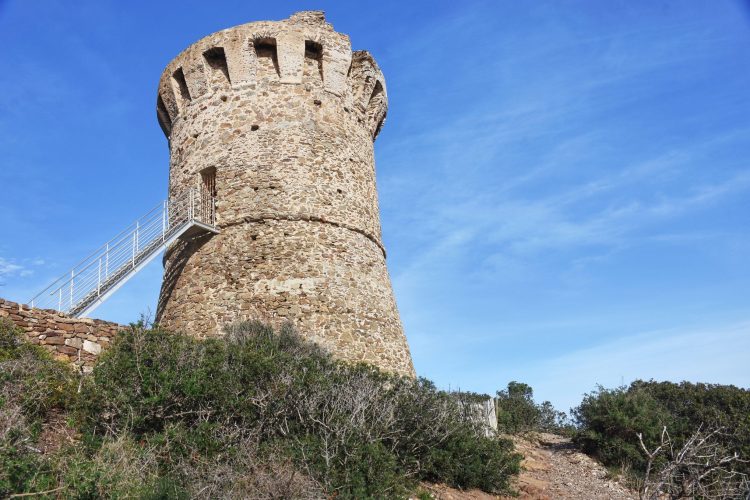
x=104, y=270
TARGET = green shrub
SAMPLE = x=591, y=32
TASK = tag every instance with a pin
x=465, y=461
x=517, y=412
x=31, y=385
x=30, y=376
x=257, y=413
x=610, y=419
x=354, y=431
x=22, y=470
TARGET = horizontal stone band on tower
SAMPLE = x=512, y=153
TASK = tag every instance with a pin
x=276, y=120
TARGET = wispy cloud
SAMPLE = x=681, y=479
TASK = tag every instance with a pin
x=9, y=268
x=707, y=354
x=566, y=186
x=511, y=226
x=23, y=268
x=551, y=163
x=715, y=355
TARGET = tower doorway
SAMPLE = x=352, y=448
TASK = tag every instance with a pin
x=208, y=195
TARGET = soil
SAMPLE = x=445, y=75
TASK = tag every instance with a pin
x=55, y=433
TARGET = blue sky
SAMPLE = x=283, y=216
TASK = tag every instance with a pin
x=564, y=186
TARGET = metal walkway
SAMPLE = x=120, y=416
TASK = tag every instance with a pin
x=89, y=283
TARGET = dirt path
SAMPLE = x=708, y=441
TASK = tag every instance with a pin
x=552, y=469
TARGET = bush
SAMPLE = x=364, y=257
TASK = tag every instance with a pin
x=348, y=430
x=31, y=385
x=258, y=413
x=517, y=412
x=22, y=470
x=30, y=377
x=610, y=419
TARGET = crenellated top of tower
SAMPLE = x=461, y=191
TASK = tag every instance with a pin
x=274, y=53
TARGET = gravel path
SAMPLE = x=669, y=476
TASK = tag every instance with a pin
x=552, y=469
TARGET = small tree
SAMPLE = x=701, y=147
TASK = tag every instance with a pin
x=516, y=410
x=552, y=420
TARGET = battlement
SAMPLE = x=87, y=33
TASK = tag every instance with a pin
x=303, y=49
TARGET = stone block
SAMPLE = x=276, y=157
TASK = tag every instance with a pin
x=91, y=347
x=74, y=342
x=71, y=351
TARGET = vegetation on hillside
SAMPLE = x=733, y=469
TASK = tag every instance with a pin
x=255, y=414
x=32, y=385
x=689, y=439
x=264, y=414
x=666, y=440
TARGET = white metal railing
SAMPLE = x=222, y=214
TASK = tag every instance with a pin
x=93, y=279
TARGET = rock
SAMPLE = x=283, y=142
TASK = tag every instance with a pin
x=77, y=343
x=91, y=347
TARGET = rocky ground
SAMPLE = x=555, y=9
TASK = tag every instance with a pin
x=552, y=469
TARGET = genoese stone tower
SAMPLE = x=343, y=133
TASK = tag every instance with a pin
x=277, y=121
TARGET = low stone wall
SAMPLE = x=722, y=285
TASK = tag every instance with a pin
x=78, y=341
x=484, y=413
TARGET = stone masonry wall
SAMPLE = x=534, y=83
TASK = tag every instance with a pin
x=285, y=115
x=72, y=340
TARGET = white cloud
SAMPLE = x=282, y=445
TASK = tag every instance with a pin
x=9, y=267
x=23, y=269
x=516, y=227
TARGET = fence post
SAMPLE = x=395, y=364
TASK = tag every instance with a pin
x=99, y=279
x=132, y=260
x=212, y=210
x=72, y=276
x=190, y=204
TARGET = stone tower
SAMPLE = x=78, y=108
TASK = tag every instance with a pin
x=277, y=120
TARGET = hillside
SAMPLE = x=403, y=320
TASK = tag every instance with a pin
x=258, y=413
x=262, y=413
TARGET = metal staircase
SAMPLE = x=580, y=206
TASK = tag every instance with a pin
x=89, y=283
